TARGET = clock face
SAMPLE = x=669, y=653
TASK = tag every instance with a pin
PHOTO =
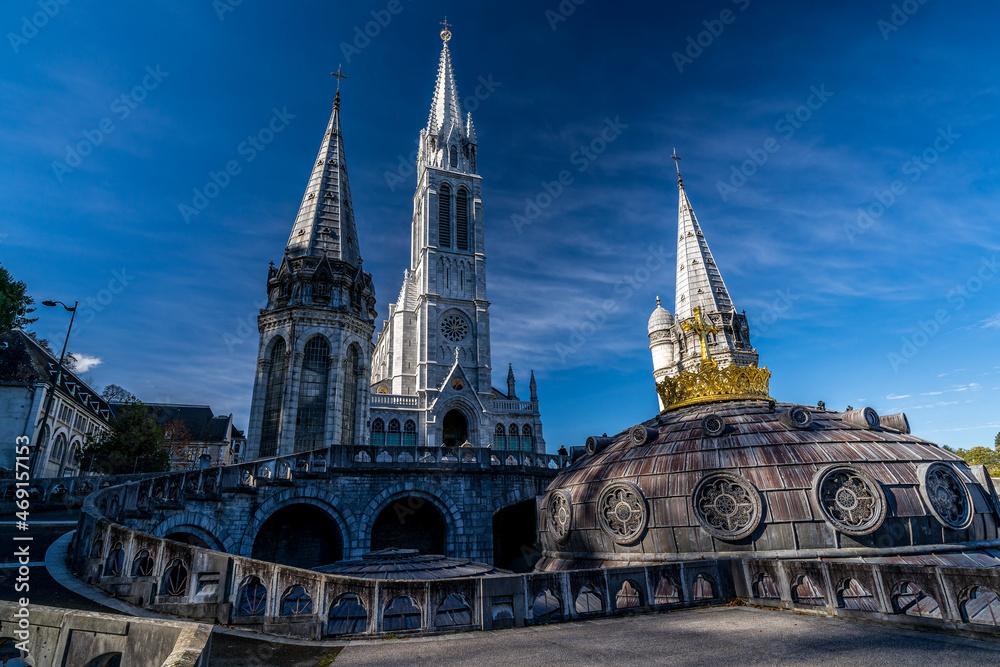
x=454, y=328
x=457, y=384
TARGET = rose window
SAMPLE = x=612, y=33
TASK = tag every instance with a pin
x=727, y=506
x=454, y=328
x=622, y=512
x=559, y=515
x=946, y=496
x=851, y=500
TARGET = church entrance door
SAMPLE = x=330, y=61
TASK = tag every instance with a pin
x=455, y=430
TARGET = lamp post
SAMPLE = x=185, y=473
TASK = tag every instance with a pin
x=55, y=383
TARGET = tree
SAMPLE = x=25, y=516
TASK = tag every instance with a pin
x=178, y=439
x=15, y=304
x=983, y=456
x=134, y=443
x=996, y=442
x=116, y=394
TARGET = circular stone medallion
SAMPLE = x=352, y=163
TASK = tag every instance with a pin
x=560, y=515
x=622, y=512
x=727, y=506
x=945, y=494
x=454, y=328
x=850, y=499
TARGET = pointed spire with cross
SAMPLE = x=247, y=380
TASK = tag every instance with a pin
x=677, y=163
x=445, y=34
x=340, y=76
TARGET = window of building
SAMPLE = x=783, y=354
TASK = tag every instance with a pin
x=310, y=424
x=59, y=448
x=527, y=439
x=352, y=372
x=444, y=216
x=500, y=437
x=272, y=399
x=410, y=433
x=378, y=433
x=462, y=219
x=513, y=437
x=453, y=157
x=393, y=439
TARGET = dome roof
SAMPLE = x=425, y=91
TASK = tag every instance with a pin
x=740, y=479
x=660, y=319
x=409, y=564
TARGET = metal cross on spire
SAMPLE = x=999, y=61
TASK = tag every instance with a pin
x=446, y=34
x=340, y=76
x=677, y=163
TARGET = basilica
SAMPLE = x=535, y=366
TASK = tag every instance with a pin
x=427, y=381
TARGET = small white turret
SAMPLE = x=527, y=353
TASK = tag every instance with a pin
x=661, y=341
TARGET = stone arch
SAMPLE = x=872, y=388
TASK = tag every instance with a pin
x=469, y=411
x=317, y=497
x=199, y=525
x=454, y=523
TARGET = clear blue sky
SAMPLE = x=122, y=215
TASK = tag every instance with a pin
x=830, y=300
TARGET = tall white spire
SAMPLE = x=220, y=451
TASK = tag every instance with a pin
x=325, y=225
x=446, y=111
x=699, y=282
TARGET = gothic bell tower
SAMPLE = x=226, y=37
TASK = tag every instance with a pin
x=314, y=357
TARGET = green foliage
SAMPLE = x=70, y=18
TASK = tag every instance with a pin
x=133, y=444
x=983, y=456
x=15, y=304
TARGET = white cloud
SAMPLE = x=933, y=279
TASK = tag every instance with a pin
x=893, y=397
x=85, y=362
x=991, y=322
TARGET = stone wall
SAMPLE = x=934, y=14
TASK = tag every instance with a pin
x=64, y=638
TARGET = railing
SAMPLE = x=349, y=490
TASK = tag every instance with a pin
x=514, y=406
x=393, y=400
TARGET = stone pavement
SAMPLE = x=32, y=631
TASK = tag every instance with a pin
x=716, y=636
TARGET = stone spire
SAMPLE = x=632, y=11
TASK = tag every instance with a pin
x=446, y=111
x=511, y=392
x=325, y=225
x=699, y=282
x=533, y=387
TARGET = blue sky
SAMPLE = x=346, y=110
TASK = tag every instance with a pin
x=896, y=309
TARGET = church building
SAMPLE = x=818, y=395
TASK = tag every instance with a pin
x=426, y=382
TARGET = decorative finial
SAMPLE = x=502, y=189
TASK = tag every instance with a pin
x=340, y=75
x=677, y=163
x=658, y=302
x=445, y=34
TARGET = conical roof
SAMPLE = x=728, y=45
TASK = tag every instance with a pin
x=325, y=224
x=699, y=282
x=446, y=111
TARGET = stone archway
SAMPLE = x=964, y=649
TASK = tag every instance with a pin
x=300, y=535
x=410, y=522
x=186, y=525
x=453, y=520
x=454, y=429
x=330, y=504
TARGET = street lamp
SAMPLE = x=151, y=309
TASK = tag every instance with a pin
x=55, y=383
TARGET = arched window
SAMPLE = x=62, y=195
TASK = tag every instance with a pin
x=349, y=414
x=401, y=614
x=666, y=592
x=628, y=596
x=253, y=598
x=453, y=157
x=347, y=616
x=765, y=588
x=272, y=399
x=703, y=588
x=455, y=610
x=589, y=600
x=500, y=437
x=513, y=439
x=410, y=433
x=310, y=421
x=116, y=561
x=142, y=566
x=393, y=439
x=378, y=433
x=444, y=216
x=527, y=439
x=58, y=449
x=296, y=602
x=806, y=592
x=462, y=219
x=546, y=607
x=175, y=580
x=910, y=599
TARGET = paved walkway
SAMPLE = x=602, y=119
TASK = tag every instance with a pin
x=716, y=636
